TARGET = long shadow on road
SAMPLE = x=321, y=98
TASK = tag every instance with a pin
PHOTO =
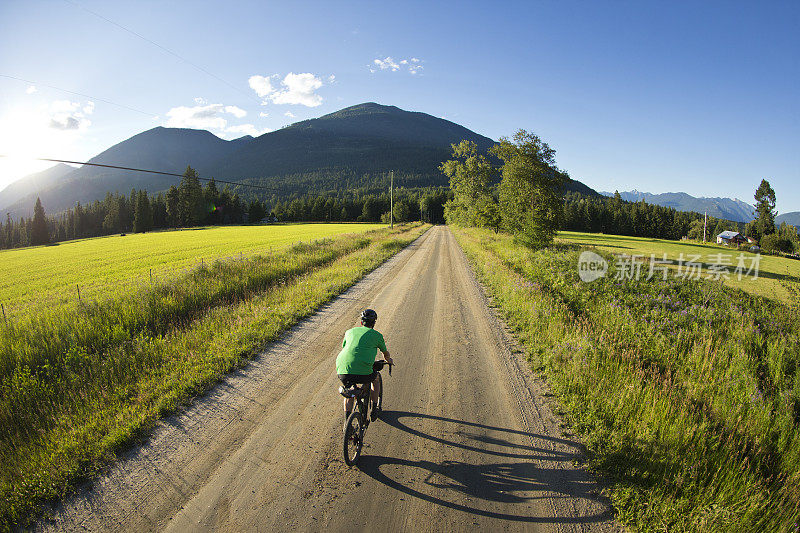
x=491, y=482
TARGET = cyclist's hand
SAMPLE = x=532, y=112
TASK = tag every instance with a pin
x=388, y=359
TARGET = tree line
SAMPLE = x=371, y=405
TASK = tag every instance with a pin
x=190, y=204
x=529, y=202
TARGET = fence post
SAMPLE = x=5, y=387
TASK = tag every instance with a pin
x=151, y=275
x=4, y=314
x=79, y=291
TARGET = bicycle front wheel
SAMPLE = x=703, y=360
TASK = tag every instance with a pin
x=353, y=438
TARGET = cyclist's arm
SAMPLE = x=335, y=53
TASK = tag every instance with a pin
x=386, y=355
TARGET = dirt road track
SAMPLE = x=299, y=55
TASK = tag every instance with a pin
x=466, y=441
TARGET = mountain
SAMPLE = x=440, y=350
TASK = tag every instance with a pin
x=165, y=149
x=338, y=150
x=366, y=138
x=352, y=148
x=724, y=208
x=792, y=218
x=33, y=183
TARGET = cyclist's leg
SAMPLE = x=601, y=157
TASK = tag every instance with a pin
x=348, y=406
x=375, y=389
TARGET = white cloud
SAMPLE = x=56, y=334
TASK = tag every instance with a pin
x=412, y=65
x=64, y=123
x=289, y=114
x=237, y=112
x=31, y=89
x=299, y=89
x=331, y=79
x=263, y=115
x=205, y=117
x=295, y=89
x=261, y=85
x=213, y=117
x=247, y=129
x=198, y=117
x=199, y=100
x=386, y=64
x=67, y=115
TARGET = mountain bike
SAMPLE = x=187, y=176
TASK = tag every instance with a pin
x=358, y=421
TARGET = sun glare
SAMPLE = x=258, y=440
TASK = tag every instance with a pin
x=28, y=133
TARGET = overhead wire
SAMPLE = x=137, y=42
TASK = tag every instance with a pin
x=165, y=49
x=237, y=183
x=35, y=83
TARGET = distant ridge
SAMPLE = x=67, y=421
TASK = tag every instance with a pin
x=792, y=218
x=32, y=183
x=167, y=149
x=723, y=208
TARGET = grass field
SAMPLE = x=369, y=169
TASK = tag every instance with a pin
x=79, y=382
x=685, y=392
x=773, y=271
x=107, y=266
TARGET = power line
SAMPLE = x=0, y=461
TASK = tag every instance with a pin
x=78, y=94
x=167, y=50
x=149, y=172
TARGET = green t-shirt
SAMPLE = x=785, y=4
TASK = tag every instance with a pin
x=359, y=348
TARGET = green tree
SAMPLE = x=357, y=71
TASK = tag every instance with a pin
x=531, y=190
x=212, y=197
x=192, y=205
x=752, y=230
x=143, y=214
x=765, y=208
x=372, y=210
x=255, y=211
x=470, y=176
x=173, y=202
x=39, y=232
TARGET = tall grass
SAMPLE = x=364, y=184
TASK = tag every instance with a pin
x=77, y=385
x=687, y=394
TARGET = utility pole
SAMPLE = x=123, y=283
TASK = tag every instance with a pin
x=391, y=201
x=705, y=221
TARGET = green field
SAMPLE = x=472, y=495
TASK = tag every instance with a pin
x=77, y=382
x=686, y=393
x=773, y=271
x=103, y=266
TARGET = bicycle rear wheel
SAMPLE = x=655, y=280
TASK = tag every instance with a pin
x=353, y=438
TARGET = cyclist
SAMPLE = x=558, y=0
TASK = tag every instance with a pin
x=354, y=364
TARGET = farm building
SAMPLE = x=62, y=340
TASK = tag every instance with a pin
x=730, y=237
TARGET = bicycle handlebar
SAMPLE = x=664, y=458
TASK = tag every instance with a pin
x=381, y=364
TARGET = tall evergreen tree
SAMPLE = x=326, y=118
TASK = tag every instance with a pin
x=39, y=231
x=143, y=215
x=765, y=208
x=191, y=206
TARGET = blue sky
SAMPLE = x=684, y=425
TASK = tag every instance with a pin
x=656, y=96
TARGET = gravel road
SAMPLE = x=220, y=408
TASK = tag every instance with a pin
x=467, y=441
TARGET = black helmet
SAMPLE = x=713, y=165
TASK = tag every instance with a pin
x=369, y=315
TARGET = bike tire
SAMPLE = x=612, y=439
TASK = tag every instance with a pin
x=353, y=438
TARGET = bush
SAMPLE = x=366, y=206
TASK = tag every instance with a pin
x=775, y=243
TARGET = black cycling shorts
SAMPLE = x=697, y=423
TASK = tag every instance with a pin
x=352, y=379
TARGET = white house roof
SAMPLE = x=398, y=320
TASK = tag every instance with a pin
x=728, y=234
